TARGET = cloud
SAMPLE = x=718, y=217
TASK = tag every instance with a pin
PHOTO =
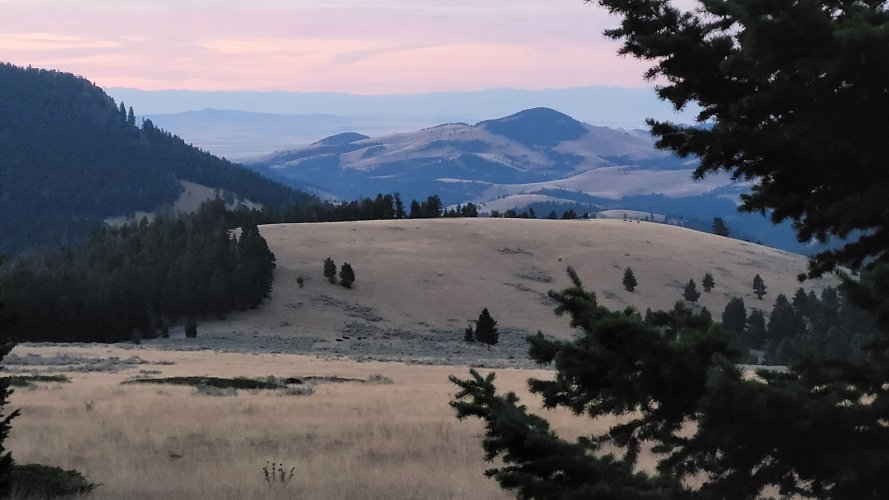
x=52, y=41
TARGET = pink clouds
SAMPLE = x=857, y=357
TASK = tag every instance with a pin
x=354, y=46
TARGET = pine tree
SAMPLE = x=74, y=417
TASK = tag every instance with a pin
x=191, y=327
x=486, y=330
x=719, y=227
x=629, y=280
x=734, y=317
x=468, y=334
x=787, y=91
x=123, y=112
x=759, y=287
x=691, y=293
x=552, y=215
x=6, y=345
x=131, y=117
x=347, y=275
x=756, y=329
x=708, y=283
x=399, y=207
x=330, y=270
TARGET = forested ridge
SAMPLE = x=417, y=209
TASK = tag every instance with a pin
x=134, y=281
x=70, y=157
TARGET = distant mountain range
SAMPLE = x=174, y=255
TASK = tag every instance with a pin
x=600, y=105
x=525, y=152
x=239, y=135
x=70, y=158
x=538, y=158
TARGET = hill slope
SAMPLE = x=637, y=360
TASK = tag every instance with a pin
x=69, y=158
x=424, y=279
x=462, y=162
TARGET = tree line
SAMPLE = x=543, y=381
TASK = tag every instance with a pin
x=134, y=281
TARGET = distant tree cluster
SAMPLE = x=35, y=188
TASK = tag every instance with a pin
x=808, y=328
x=381, y=207
x=347, y=274
x=131, y=282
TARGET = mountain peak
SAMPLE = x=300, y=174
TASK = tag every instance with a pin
x=343, y=138
x=536, y=127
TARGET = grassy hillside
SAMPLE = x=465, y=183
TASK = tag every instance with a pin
x=435, y=275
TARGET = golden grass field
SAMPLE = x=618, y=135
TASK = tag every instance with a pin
x=414, y=274
x=347, y=441
x=355, y=440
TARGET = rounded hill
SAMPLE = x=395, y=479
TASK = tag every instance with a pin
x=436, y=275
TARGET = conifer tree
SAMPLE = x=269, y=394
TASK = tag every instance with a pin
x=787, y=91
x=131, y=117
x=191, y=327
x=759, y=287
x=719, y=227
x=347, y=275
x=469, y=334
x=756, y=329
x=6, y=345
x=399, y=207
x=708, y=283
x=123, y=112
x=330, y=270
x=629, y=280
x=734, y=317
x=486, y=330
x=691, y=293
x=552, y=215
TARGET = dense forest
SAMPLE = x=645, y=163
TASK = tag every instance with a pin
x=134, y=281
x=70, y=157
x=805, y=328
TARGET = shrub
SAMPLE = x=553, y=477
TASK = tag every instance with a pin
x=43, y=481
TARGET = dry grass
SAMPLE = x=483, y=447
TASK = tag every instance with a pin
x=348, y=440
x=414, y=274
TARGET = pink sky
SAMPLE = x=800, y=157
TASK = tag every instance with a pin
x=357, y=46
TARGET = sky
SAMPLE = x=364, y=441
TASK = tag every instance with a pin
x=354, y=46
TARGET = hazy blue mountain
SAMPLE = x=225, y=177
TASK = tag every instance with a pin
x=463, y=162
x=538, y=158
x=239, y=135
x=600, y=105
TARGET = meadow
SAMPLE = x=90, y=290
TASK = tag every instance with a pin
x=355, y=440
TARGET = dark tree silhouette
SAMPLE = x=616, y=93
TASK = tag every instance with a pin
x=6, y=345
x=691, y=293
x=734, y=317
x=708, y=282
x=759, y=287
x=347, y=275
x=787, y=91
x=719, y=227
x=629, y=280
x=330, y=270
x=486, y=330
